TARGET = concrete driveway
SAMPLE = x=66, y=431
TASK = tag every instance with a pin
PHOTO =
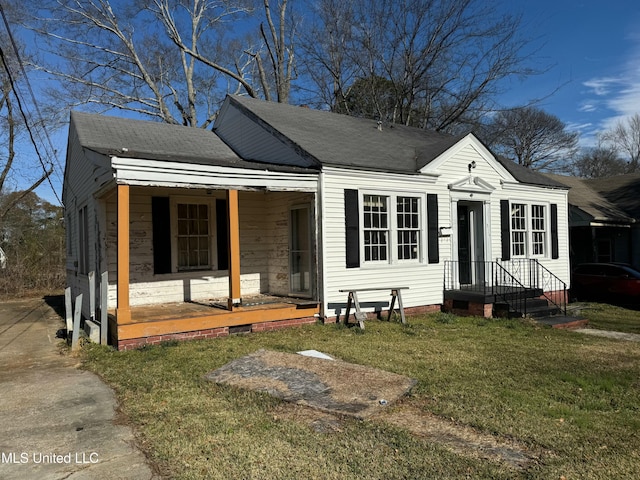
x=56, y=421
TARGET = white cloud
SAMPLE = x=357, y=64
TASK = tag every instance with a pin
x=588, y=107
x=602, y=86
x=620, y=94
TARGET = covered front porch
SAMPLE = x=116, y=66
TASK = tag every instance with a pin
x=206, y=262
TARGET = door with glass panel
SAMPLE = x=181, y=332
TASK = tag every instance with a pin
x=300, y=257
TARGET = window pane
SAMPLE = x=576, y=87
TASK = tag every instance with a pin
x=375, y=230
x=408, y=223
x=193, y=236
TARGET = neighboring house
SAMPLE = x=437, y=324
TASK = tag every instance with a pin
x=602, y=218
x=281, y=208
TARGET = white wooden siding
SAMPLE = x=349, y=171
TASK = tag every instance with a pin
x=253, y=142
x=455, y=168
x=424, y=280
x=85, y=173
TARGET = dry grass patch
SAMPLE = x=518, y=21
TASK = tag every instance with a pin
x=569, y=402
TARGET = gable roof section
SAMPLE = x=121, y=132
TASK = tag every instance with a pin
x=141, y=139
x=591, y=205
x=528, y=176
x=333, y=139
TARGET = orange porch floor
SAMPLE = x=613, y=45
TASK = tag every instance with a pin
x=168, y=319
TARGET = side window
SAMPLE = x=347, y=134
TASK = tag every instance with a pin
x=83, y=241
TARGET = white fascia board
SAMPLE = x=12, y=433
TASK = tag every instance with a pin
x=521, y=187
x=433, y=166
x=176, y=174
x=375, y=175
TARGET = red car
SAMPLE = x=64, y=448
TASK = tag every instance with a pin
x=610, y=282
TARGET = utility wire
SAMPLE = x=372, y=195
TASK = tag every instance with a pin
x=20, y=106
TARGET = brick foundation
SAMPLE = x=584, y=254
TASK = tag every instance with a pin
x=476, y=309
x=420, y=310
x=134, y=343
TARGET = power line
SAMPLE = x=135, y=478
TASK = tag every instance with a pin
x=51, y=153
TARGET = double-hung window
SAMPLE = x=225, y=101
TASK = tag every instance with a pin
x=376, y=228
x=528, y=230
x=518, y=229
x=408, y=224
x=538, y=230
x=194, y=236
x=391, y=228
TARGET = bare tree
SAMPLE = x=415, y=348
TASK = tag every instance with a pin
x=277, y=36
x=597, y=162
x=170, y=59
x=326, y=47
x=532, y=138
x=624, y=138
x=445, y=58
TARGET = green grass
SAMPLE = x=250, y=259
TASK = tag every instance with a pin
x=610, y=317
x=571, y=398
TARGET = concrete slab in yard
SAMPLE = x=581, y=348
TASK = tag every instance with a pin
x=333, y=386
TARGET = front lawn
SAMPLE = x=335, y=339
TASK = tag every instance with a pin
x=572, y=400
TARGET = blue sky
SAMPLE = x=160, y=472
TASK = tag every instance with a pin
x=593, y=48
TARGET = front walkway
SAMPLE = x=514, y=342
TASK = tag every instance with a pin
x=630, y=337
x=58, y=422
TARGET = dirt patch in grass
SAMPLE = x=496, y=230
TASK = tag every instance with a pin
x=335, y=389
x=461, y=439
x=329, y=385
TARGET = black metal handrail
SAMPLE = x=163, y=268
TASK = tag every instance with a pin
x=510, y=290
x=550, y=285
x=483, y=271
x=511, y=281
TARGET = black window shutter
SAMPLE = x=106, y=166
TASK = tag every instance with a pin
x=351, y=220
x=505, y=229
x=555, y=252
x=433, y=248
x=161, y=230
x=222, y=234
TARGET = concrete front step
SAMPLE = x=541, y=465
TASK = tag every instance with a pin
x=563, y=321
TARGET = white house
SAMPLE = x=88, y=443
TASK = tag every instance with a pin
x=267, y=220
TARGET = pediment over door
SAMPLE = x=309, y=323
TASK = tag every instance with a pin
x=472, y=186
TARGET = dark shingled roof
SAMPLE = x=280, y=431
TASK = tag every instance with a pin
x=526, y=175
x=341, y=140
x=622, y=190
x=128, y=138
x=583, y=196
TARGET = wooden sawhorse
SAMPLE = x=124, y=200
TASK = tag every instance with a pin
x=352, y=300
